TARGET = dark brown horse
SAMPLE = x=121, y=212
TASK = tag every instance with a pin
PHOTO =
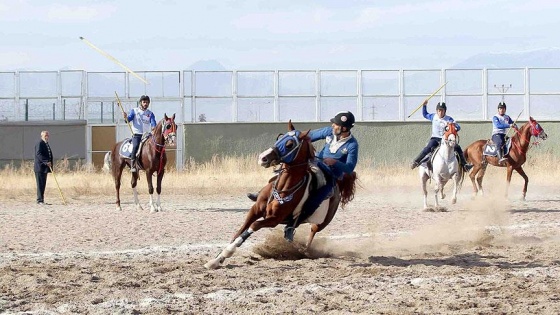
x=285, y=194
x=520, y=142
x=151, y=159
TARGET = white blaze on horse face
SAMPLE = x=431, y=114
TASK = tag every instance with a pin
x=451, y=140
x=264, y=158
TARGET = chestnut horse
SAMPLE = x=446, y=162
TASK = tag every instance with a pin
x=151, y=158
x=285, y=194
x=445, y=166
x=517, y=156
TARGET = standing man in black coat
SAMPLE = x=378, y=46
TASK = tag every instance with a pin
x=43, y=165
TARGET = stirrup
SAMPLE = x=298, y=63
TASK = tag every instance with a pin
x=289, y=233
x=132, y=166
x=414, y=165
x=467, y=167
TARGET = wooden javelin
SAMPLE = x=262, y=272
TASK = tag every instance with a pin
x=429, y=97
x=120, y=105
x=113, y=59
x=57, y=185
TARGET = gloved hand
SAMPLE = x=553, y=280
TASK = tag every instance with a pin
x=514, y=125
x=125, y=116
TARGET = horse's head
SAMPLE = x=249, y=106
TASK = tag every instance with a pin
x=290, y=148
x=537, y=130
x=169, y=129
x=450, y=135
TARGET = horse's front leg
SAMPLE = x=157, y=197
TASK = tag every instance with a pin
x=526, y=178
x=239, y=238
x=455, y=187
x=151, y=190
x=437, y=189
x=134, y=181
x=158, y=189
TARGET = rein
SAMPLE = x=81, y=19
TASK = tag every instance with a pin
x=517, y=146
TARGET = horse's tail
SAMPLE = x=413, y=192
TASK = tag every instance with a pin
x=466, y=153
x=107, y=162
x=347, y=188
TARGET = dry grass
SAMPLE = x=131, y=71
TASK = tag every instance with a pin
x=232, y=175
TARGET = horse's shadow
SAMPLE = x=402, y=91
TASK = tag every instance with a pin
x=469, y=260
x=535, y=210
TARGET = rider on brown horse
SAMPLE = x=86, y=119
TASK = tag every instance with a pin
x=339, y=156
x=143, y=120
x=439, y=122
x=500, y=123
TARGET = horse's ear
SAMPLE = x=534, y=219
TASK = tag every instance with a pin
x=173, y=116
x=290, y=126
x=304, y=134
x=531, y=118
x=165, y=116
x=279, y=136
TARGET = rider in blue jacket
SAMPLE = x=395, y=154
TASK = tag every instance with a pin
x=439, y=122
x=143, y=121
x=339, y=156
x=500, y=122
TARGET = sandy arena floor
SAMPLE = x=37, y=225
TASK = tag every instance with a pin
x=381, y=255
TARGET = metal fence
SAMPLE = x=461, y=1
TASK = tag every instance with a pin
x=280, y=95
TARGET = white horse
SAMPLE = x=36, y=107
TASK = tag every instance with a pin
x=445, y=167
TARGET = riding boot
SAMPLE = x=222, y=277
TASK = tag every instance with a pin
x=466, y=166
x=253, y=196
x=416, y=161
x=133, y=165
x=501, y=158
x=289, y=229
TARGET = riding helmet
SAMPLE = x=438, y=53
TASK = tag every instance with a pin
x=441, y=106
x=502, y=105
x=344, y=119
x=144, y=98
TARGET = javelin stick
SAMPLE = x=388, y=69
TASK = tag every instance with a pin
x=120, y=105
x=429, y=97
x=515, y=122
x=57, y=185
x=113, y=59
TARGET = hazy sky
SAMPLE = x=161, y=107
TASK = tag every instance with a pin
x=268, y=34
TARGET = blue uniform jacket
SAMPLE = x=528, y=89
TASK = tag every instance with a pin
x=346, y=155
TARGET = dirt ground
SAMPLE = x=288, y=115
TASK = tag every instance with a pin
x=381, y=255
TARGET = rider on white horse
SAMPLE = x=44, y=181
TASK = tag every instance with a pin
x=439, y=121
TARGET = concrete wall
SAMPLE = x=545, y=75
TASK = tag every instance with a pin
x=380, y=142
x=18, y=139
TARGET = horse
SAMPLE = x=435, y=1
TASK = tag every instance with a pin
x=151, y=158
x=520, y=141
x=285, y=193
x=445, y=166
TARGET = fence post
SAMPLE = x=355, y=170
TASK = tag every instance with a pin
x=101, y=112
x=26, y=109
x=53, y=111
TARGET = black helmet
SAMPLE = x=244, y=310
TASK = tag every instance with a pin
x=441, y=106
x=144, y=98
x=502, y=105
x=344, y=119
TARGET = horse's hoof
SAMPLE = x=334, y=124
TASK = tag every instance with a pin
x=212, y=264
x=454, y=201
x=118, y=208
x=442, y=196
x=429, y=209
x=441, y=209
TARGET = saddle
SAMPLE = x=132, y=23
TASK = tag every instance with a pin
x=428, y=160
x=125, y=149
x=315, y=180
x=490, y=148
